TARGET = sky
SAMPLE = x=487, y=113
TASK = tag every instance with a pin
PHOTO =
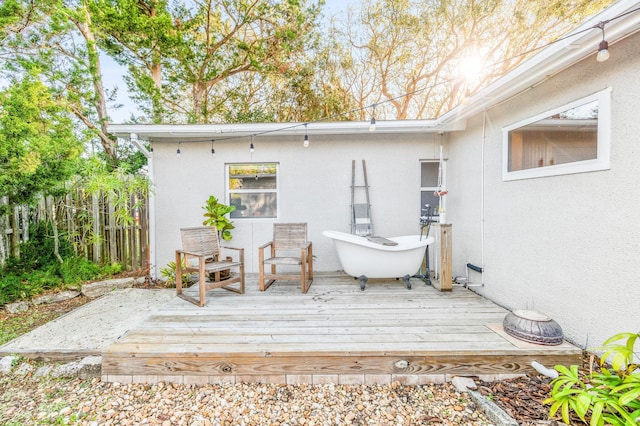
x=112, y=72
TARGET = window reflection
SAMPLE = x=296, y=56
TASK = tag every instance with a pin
x=566, y=137
x=253, y=190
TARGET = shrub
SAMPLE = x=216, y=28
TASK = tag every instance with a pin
x=38, y=252
x=169, y=273
x=78, y=269
x=11, y=289
x=610, y=396
x=24, y=286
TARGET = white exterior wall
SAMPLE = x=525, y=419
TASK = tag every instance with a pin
x=314, y=187
x=567, y=246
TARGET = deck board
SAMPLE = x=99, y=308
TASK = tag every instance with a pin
x=337, y=329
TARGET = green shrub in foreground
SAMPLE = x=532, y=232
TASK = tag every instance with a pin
x=610, y=396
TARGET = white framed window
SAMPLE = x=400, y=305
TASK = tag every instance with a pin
x=573, y=138
x=253, y=189
x=430, y=172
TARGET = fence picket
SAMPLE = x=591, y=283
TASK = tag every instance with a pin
x=90, y=224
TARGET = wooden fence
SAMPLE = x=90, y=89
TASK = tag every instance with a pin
x=101, y=228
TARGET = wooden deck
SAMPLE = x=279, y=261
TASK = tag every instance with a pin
x=334, y=333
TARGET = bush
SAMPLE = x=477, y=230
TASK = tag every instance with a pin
x=610, y=396
x=77, y=269
x=38, y=269
x=24, y=286
x=39, y=281
x=169, y=274
x=11, y=289
x=38, y=252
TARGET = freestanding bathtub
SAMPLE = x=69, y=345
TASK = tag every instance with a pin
x=365, y=258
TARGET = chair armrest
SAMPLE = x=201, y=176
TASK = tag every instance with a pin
x=264, y=246
x=232, y=248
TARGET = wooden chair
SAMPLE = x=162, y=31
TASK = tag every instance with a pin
x=201, y=253
x=289, y=247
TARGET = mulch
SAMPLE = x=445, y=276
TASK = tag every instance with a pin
x=521, y=398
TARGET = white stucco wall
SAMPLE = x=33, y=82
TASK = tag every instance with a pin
x=567, y=246
x=314, y=187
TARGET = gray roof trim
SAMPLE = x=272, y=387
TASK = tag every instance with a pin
x=203, y=132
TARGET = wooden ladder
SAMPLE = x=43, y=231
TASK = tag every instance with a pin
x=361, y=223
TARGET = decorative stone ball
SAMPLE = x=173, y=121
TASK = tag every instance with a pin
x=533, y=327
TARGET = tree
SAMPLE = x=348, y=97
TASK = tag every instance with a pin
x=38, y=147
x=402, y=57
x=187, y=63
x=56, y=40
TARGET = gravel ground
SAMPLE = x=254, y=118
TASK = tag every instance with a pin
x=29, y=400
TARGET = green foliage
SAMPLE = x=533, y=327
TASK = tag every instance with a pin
x=11, y=289
x=203, y=50
x=38, y=251
x=610, y=396
x=215, y=215
x=38, y=147
x=78, y=269
x=56, y=41
x=38, y=270
x=26, y=285
x=169, y=274
x=97, y=176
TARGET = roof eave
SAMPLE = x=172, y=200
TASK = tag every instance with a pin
x=171, y=132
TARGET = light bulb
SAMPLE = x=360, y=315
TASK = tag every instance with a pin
x=251, y=149
x=306, y=141
x=603, y=51
x=213, y=152
x=372, y=126
x=178, y=153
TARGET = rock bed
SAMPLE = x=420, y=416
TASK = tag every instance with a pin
x=45, y=400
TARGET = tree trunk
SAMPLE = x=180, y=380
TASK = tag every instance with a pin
x=99, y=101
x=51, y=208
x=14, y=223
x=3, y=233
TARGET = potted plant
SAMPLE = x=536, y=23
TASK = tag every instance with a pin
x=215, y=214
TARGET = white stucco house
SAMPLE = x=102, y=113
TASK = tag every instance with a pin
x=541, y=167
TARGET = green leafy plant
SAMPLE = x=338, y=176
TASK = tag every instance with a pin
x=610, y=396
x=215, y=214
x=169, y=273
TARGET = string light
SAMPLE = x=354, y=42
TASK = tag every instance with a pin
x=372, y=126
x=251, y=147
x=178, y=150
x=306, y=136
x=603, y=47
x=213, y=151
